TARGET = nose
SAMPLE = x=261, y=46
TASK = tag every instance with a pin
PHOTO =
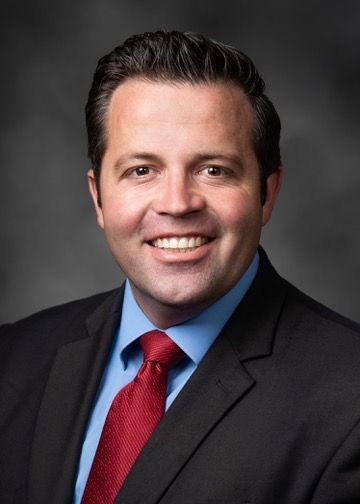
x=178, y=195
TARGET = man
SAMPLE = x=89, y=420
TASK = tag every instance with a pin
x=262, y=399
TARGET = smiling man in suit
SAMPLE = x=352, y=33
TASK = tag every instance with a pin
x=206, y=377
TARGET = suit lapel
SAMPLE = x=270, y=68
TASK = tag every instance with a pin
x=220, y=381
x=67, y=400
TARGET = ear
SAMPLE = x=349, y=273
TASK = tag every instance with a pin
x=273, y=186
x=95, y=197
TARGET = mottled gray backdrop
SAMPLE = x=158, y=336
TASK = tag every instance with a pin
x=308, y=53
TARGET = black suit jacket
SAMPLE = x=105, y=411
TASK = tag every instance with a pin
x=271, y=415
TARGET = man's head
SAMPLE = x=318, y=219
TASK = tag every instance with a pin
x=176, y=163
x=182, y=58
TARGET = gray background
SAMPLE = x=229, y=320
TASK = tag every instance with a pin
x=308, y=53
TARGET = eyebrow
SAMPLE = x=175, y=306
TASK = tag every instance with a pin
x=141, y=156
x=208, y=156
x=200, y=157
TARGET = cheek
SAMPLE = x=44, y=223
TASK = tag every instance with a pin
x=120, y=219
x=240, y=214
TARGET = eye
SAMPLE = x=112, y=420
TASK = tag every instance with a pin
x=141, y=171
x=213, y=171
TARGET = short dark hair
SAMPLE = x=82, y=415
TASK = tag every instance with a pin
x=182, y=57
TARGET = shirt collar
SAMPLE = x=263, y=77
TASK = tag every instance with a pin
x=195, y=336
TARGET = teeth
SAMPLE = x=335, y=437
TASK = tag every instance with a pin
x=183, y=243
x=180, y=244
x=173, y=243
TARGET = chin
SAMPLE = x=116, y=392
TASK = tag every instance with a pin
x=176, y=298
x=181, y=297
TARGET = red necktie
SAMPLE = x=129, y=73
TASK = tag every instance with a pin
x=133, y=415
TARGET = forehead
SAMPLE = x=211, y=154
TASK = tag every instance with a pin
x=140, y=102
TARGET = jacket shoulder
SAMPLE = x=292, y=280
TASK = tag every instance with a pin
x=46, y=330
x=317, y=313
x=70, y=309
x=325, y=343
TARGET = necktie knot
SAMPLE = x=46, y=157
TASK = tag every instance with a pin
x=158, y=347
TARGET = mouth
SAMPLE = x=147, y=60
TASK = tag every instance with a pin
x=180, y=243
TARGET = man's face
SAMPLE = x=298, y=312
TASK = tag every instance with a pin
x=180, y=192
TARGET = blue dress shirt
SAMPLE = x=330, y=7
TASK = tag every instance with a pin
x=194, y=337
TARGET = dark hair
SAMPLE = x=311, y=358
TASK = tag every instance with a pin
x=182, y=57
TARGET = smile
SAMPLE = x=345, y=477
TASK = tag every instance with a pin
x=180, y=244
